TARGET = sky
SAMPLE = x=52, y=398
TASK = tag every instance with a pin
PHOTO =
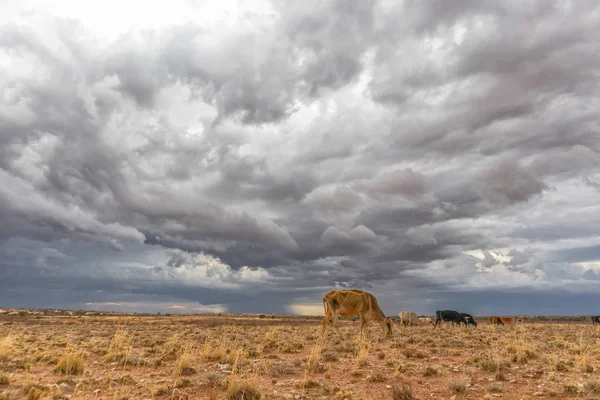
x=249, y=156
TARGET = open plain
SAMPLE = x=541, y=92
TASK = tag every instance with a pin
x=273, y=357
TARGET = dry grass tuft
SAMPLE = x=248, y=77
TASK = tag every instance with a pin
x=215, y=379
x=313, y=363
x=34, y=393
x=185, y=363
x=402, y=393
x=4, y=379
x=70, y=363
x=238, y=390
x=6, y=348
x=119, y=348
x=458, y=386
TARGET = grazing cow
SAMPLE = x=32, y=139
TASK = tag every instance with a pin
x=596, y=319
x=350, y=303
x=496, y=321
x=408, y=318
x=509, y=320
x=449, y=316
x=425, y=320
x=469, y=318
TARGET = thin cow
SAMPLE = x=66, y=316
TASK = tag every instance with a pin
x=449, y=316
x=408, y=318
x=350, y=303
x=469, y=318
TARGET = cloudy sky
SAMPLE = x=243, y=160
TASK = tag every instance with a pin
x=249, y=156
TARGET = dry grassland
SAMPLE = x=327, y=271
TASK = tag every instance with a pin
x=189, y=357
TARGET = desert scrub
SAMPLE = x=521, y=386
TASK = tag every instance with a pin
x=213, y=351
x=70, y=363
x=215, y=379
x=6, y=348
x=410, y=352
x=238, y=390
x=592, y=387
x=119, y=347
x=313, y=363
x=458, y=386
x=185, y=363
x=402, y=393
x=34, y=393
x=362, y=358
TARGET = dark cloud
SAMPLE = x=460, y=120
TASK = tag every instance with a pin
x=315, y=145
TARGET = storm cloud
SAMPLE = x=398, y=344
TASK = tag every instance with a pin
x=200, y=157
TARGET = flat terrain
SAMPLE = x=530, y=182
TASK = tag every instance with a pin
x=197, y=357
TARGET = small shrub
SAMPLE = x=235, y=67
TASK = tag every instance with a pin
x=376, y=377
x=402, y=393
x=238, y=390
x=458, y=386
x=430, y=371
x=592, y=387
x=569, y=388
x=410, y=352
x=215, y=379
x=362, y=358
x=70, y=363
x=6, y=348
x=330, y=356
x=184, y=365
x=313, y=364
x=182, y=382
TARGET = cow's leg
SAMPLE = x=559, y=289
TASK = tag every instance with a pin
x=326, y=319
x=335, y=320
x=363, y=322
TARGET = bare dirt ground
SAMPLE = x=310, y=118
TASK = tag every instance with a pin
x=195, y=357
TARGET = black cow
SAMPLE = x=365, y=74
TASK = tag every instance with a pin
x=449, y=316
x=595, y=319
x=469, y=318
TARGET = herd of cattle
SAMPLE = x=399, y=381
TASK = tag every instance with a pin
x=408, y=318
x=352, y=302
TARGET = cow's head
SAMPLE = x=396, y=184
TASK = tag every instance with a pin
x=471, y=321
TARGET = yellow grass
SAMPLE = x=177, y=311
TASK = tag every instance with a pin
x=71, y=362
x=226, y=358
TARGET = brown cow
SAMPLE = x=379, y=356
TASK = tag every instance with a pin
x=496, y=321
x=510, y=320
x=349, y=303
